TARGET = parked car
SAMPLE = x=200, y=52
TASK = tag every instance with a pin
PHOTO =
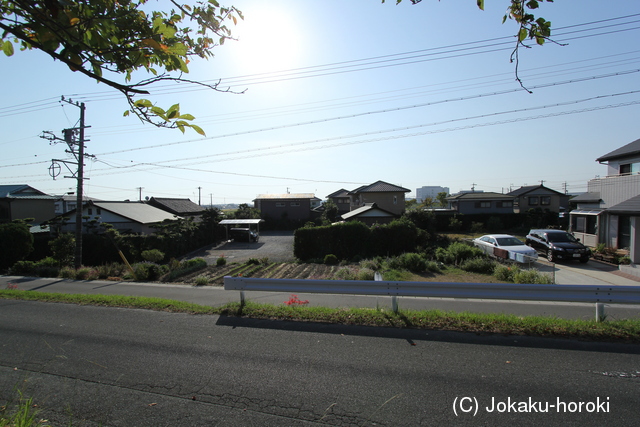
x=557, y=245
x=243, y=234
x=507, y=247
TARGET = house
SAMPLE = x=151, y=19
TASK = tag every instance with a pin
x=609, y=212
x=539, y=197
x=24, y=201
x=370, y=214
x=126, y=217
x=430, y=192
x=481, y=203
x=342, y=200
x=296, y=206
x=388, y=197
x=181, y=207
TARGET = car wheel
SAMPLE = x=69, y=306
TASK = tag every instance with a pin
x=550, y=256
x=584, y=260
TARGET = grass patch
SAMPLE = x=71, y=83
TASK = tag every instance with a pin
x=615, y=330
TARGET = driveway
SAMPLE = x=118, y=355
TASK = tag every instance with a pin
x=275, y=245
x=591, y=273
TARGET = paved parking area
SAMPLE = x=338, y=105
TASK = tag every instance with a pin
x=275, y=245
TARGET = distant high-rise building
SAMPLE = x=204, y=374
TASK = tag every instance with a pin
x=429, y=191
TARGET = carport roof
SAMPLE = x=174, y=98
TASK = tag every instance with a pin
x=241, y=221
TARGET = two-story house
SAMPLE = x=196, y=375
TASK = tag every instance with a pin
x=480, y=203
x=24, y=201
x=609, y=212
x=539, y=197
x=388, y=197
x=292, y=206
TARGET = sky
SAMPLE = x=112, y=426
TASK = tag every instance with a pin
x=337, y=94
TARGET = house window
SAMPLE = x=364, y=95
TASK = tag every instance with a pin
x=483, y=204
x=533, y=201
x=584, y=224
x=295, y=203
x=280, y=204
x=508, y=204
x=545, y=200
x=98, y=211
x=90, y=211
x=629, y=168
x=395, y=200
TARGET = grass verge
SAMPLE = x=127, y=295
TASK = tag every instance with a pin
x=613, y=330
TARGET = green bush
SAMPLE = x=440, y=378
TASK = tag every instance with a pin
x=202, y=281
x=152, y=255
x=68, y=273
x=23, y=268
x=503, y=273
x=433, y=267
x=531, y=277
x=63, y=248
x=86, y=273
x=330, y=259
x=46, y=267
x=444, y=256
x=148, y=271
x=221, y=261
x=479, y=265
x=365, y=274
x=461, y=252
x=345, y=273
x=477, y=227
x=371, y=264
x=110, y=270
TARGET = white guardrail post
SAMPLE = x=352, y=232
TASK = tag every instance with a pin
x=594, y=294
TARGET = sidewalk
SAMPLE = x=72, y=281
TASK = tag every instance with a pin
x=215, y=296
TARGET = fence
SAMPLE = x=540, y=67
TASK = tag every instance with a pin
x=598, y=295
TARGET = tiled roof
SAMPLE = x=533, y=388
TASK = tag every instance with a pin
x=528, y=188
x=481, y=196
x=22, y=191
x=176, y=206
x=286, y=196
x=340, y=193
x=379, y=187
x=629, y=206
x=587, y=198
x=631, y=149
x=368, y=208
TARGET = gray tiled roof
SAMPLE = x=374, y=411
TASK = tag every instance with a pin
x=629, y=206
x=481, y=196
x=22, y=191
x=286, y=196
x=368, y=207
x=528, y=188
x=631, y=149
x=340, y=193
x=177, y=206
x=587, y=198
x=379, y=187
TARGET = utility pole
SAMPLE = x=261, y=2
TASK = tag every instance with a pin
x=140, y=193
x=199, y=196
x=76, y=147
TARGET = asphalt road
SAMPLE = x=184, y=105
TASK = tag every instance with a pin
x=90, y=366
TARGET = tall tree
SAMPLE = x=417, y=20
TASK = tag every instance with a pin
x=104, y=39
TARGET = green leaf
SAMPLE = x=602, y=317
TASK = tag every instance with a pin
x=187, y=117
x=143, y=103
x=7, y=48
x=481, y=4
x=198, y=129
x=522, y=34
x=126, y=114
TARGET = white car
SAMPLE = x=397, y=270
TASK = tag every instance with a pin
x=507, y=247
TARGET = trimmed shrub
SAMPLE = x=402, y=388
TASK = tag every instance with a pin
x=330, y=259
x=504, y=273
x=202, y=281
x=86, y=273
x=461, y=252
x=479, y=265
x=152, y=255
x=68, y=273
x=221, y=261
x=531, y=277
x=145, y=271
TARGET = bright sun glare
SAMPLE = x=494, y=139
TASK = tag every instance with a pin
x=268, y=40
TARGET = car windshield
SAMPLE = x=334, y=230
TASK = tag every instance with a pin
x=561, y=238
x=509, y=241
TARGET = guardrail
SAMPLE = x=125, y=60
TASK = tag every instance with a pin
x=599, y=295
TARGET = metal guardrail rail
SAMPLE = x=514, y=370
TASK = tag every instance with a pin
x=596, y=294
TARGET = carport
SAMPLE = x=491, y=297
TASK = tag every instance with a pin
x=240, y=222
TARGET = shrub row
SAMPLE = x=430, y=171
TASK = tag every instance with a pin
x=353, y=240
